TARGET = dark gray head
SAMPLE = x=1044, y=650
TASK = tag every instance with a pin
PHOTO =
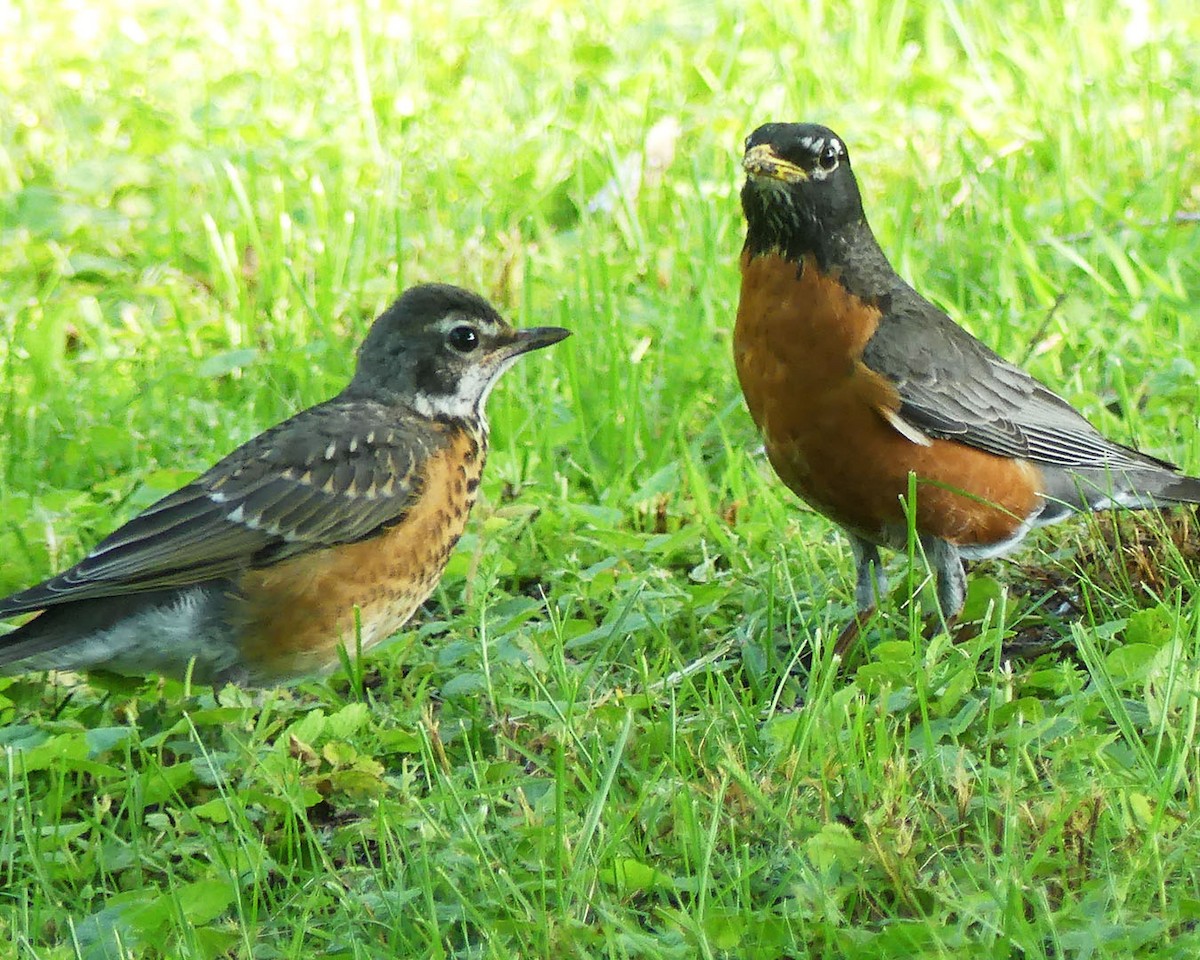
x=440, y=349
x=799, y=186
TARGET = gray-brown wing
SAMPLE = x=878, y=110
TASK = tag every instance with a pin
x=953, y=387
x=335, y=473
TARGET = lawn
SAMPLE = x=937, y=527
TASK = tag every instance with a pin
x=601, y=736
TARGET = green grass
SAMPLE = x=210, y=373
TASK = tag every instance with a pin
x=595, y=741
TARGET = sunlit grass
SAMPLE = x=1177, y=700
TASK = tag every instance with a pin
x=597, y=739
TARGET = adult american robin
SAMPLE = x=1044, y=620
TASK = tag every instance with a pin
x=856, y=381
x=327, y=530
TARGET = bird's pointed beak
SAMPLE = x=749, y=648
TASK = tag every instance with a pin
x=534, y=338
x=761, y=162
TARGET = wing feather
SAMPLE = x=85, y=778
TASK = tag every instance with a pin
x=335, y=473
x=953, y=387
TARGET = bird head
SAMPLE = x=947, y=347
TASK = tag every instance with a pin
x=798, y=184
x=440, y=349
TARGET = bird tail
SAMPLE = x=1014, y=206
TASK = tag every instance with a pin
x=1094, y=488
x=1180, y=489
x=29, y=640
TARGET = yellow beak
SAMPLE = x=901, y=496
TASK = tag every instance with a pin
x=761, y=161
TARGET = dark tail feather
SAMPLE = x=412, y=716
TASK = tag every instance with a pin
x=1181, y=489
x=26, y=601
x=37, y=636
x=65, y=625
x=1093, y=488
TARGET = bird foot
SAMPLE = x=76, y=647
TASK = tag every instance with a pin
x=848, y=638
x=958, y=632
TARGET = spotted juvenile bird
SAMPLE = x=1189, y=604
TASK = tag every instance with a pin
x=855, y=381
x=327, y=530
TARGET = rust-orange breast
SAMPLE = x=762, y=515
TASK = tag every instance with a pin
x=294, y=614
x=798, y=345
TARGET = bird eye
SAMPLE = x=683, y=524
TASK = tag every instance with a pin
x=463, y=339
x=828, y=158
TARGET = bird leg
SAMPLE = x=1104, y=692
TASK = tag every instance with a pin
x=849, y=635
x=943, y=557
x=869, y=584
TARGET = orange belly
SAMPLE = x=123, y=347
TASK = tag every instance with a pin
x=295, y=614
x=798, y=344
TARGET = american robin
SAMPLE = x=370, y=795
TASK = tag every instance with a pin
x=328, y=529
x=856, y=381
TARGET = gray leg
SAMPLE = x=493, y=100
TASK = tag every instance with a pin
x=869, y=581
x=951, y=578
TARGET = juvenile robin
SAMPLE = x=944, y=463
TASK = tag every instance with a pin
x=856, y=381
x=327, y=530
